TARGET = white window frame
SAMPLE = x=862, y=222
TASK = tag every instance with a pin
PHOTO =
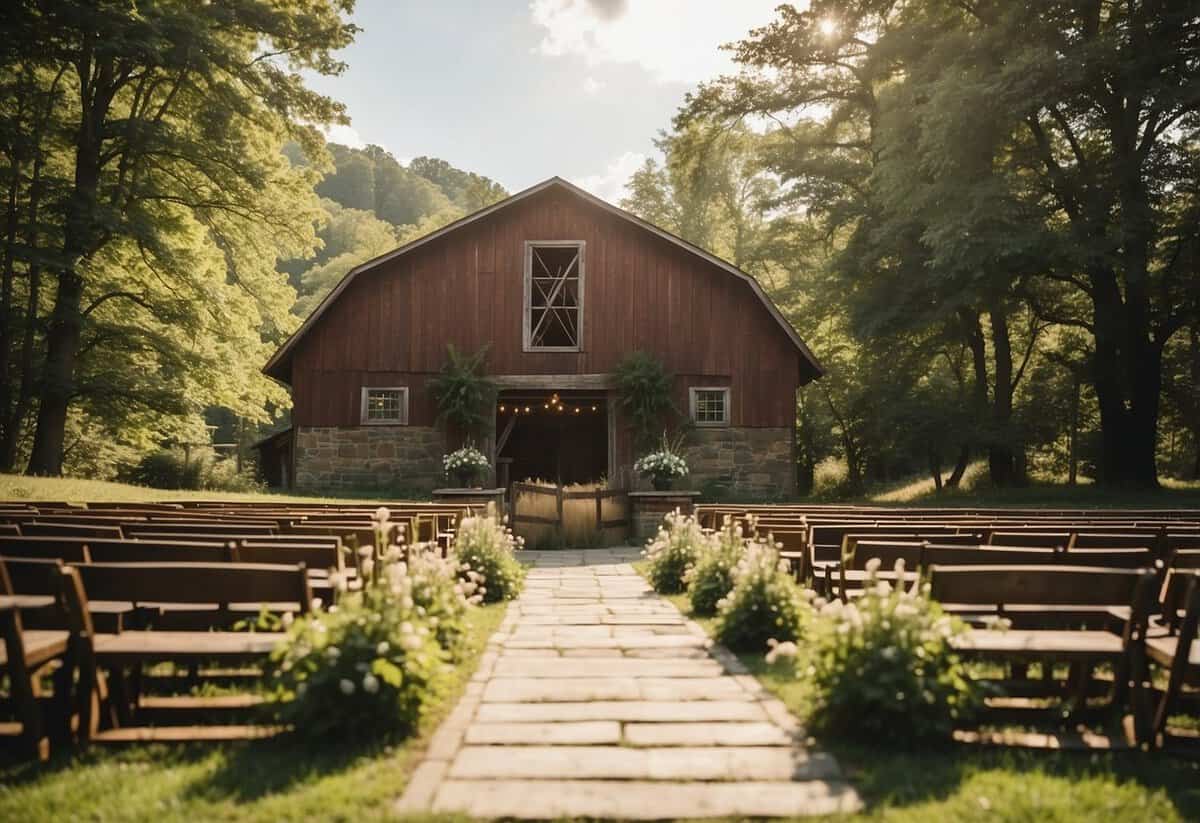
x=693, y=393
x=402, y=420
x=527, y=326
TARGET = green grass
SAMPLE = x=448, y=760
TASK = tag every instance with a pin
x=962, y=783
x=18, y=487
x=264, y=781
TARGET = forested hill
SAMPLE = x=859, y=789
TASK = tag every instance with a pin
x=374, y=203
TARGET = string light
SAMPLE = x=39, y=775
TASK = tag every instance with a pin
x=502, y=410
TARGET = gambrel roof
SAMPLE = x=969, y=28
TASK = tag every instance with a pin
x=278, y=365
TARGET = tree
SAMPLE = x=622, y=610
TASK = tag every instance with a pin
x=986, y=161
x=350, y=237
x=171, y=198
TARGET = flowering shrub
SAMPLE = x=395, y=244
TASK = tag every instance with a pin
x=711, y=577
x=672, y=551
x=467, y=462
x=485, y=547
x=882, y=667
x=661, y=464
x=370, y=663
x=764, y=604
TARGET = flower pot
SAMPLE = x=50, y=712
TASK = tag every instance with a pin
x=465, y=479
x=661, y=484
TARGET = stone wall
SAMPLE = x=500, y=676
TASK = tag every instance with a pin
x=746, y=462
x=369, y=457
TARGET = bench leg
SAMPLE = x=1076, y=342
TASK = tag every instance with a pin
x=24, y=696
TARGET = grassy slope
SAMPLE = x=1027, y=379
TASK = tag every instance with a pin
x=266, y=781
x=961, y=783
x=78, y=490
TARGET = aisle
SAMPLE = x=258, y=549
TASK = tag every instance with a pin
x=596, y=698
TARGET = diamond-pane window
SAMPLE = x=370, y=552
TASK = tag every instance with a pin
x=710, y=407
x=554, y=296
x=385, y=405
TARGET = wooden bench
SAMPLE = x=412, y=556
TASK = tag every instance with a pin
x=1179, y=654
x=123, y=655
x=38, y=588
x=1049, y=587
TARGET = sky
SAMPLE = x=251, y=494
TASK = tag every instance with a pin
x=521, y=90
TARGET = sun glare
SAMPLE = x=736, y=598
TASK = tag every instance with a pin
x=828, y=27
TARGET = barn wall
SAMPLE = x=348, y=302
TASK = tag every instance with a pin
x=391, y=326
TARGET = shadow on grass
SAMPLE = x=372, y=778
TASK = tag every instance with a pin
x=889, y=778
x=244, y=771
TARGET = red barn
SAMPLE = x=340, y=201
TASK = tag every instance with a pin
x=561, y=285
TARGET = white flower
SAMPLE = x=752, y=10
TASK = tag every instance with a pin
x=368, y=566
x=406, y=628
x=366, y=550
x=370, y=683
x=873, y=565
x=347, y=686
x=288, y=620
x=382, y=515
x=333, y=652
x=382, y=648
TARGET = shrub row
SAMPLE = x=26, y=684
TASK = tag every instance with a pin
x=880, y=667
x=369, y=665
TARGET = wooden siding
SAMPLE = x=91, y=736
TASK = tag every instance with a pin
x=392, y=324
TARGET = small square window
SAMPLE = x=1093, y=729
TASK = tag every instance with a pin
x=710, y=406
x=385, y=405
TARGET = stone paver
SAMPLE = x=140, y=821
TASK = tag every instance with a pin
x=596, y=698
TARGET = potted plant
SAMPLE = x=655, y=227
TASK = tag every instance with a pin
x=662, y=466
x=465, y=465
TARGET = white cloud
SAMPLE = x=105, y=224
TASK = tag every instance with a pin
x=592, y=86
x=675, y=40
x=610, y=184
x=346, y=135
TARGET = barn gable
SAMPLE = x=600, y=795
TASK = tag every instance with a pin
x=280, y=364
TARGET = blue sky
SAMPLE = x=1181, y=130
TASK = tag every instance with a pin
x=521, y=90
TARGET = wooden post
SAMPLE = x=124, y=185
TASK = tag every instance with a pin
x=599, y=511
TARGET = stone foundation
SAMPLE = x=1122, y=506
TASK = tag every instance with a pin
x=647, y=510
x=746, y=462
x=369, y=457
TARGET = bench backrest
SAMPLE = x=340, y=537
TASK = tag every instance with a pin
x=70, y=549
x=197, y=583
x=160, y=551
x=69, y=530
x=1035, y=585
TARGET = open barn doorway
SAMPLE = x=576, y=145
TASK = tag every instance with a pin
x=558, y=437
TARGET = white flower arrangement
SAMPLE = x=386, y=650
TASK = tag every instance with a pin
x=468, y=458
x=662, y=463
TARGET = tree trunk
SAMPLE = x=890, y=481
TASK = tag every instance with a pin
x=1128, y=376
x=81, y=235
x=1073, y=443
x=58, y=380
x=960, y=467
x=1001, y=459
x=935, y=469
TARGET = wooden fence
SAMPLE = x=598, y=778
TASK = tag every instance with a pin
x=535, y=514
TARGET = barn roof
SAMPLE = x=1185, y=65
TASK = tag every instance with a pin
x=279, y=364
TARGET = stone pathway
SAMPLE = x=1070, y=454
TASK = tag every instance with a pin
x=597, y=698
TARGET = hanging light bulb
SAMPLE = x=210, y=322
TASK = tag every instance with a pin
x=577, y=410
x=502, y=410
x=593, y=408
x=527, y=410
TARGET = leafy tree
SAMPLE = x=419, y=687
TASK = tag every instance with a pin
x=350, y=237
x=169, y=197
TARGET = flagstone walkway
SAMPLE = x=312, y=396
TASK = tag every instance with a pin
x=597, y=698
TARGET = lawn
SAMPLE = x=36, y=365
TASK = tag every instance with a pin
x=964, y=783
x=78, y=490
x=264, y=781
